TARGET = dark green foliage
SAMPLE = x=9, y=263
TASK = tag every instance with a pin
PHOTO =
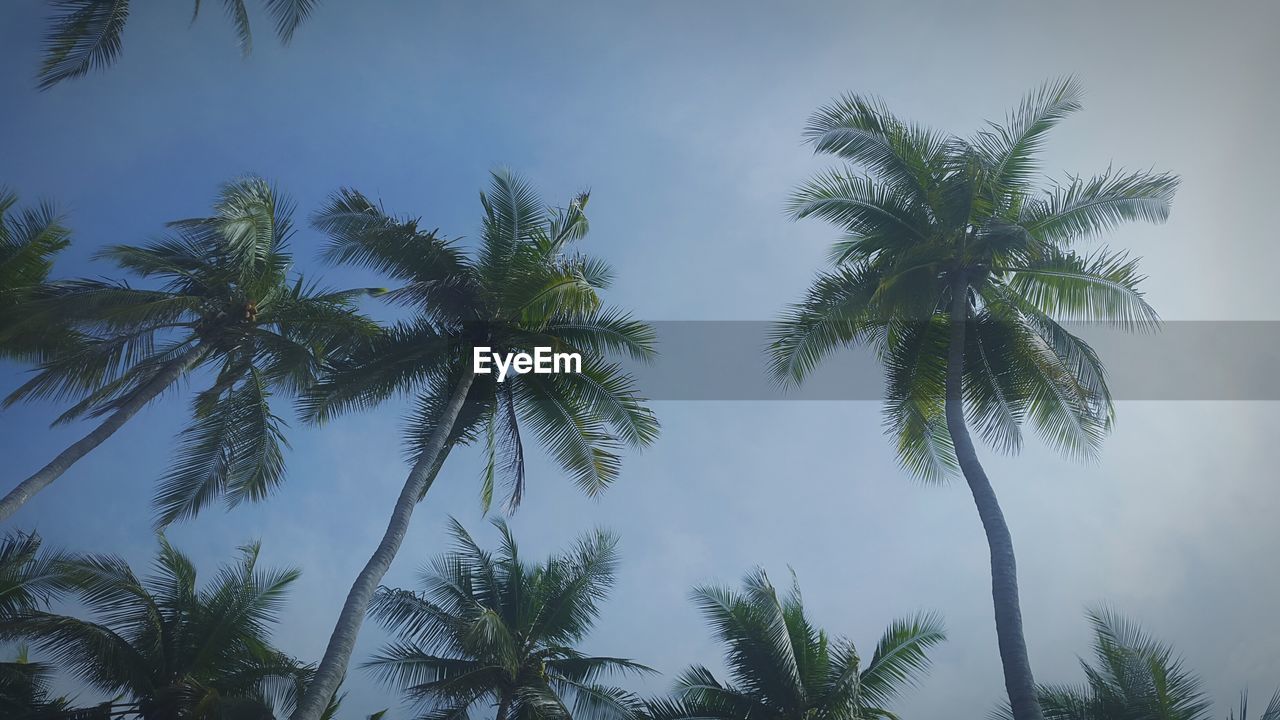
x=222, y=285
x=30, y=578
x=491, y=630
x=85, y=35
x=29, y=239
x=782, y=667
x=524, y=287
x=165, y=647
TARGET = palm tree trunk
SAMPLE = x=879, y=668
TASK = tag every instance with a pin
x=27, y=489
x=341, y=643
x=504, y=707
x=1018, y=681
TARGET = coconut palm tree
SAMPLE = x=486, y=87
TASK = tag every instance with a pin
x=522, y=289
x=167, y=648
x=86, y=34
x=781, y=666
x=29, y=239
x=493, y=630
x=960, y=272
x=226, y=301
x=1133, y=677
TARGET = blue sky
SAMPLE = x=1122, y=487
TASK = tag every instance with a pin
x=684, y=119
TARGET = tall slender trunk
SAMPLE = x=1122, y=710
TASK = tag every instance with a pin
x=341, y=643
x=27, y=489
x=1018, y=681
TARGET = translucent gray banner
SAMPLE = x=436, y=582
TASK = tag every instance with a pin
x=727, y=360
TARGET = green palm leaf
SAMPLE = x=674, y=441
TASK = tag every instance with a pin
x=83, y=35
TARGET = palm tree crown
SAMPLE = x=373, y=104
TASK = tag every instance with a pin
x=171, y=649
x=935, y=219
x=226, y=300
x=523, y=289
x=1133, y=675
x=492, y=629
x=783, y=667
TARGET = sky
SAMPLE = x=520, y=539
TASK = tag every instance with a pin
x=684, y=120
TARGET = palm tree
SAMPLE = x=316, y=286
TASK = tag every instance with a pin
x=958, y=271
x=227, y=301
x=1133, y=677
x=783, y=667
x=29, y=240
x=167, y=648
x=522, y=290
x=491, y=629
x=86, y=34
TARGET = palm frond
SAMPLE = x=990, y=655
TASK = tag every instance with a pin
x=1083, y=208
x=579, y=440
x=239, y=15
x=84, y=35
x=603, y=332
x=863, y=131
x=362, y=233
x=233, y=454
x=1009, y=150
x=514, y=215
x=901, y=657
x=1100, y=287
x=859, y=205
x=914, y=355
x=593, y=701
x=29, y=578
x=289, y=14
x=404, y=358
x=254, y=220
x=837, y=311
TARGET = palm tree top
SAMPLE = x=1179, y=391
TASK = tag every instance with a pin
x=220, y=294
x=782, y=666
x=1133, y=675
x=492, y=628
x=168, y=645
x=932, y=219
x=522, y=286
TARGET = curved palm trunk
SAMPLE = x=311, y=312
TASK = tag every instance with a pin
x=337, y=654
x=27, y=489
x=1018, y=680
